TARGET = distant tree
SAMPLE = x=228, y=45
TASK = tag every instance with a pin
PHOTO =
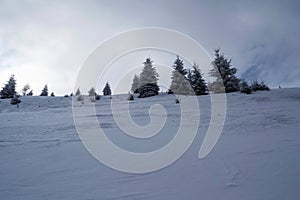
x=197, y=82
x=256, y=86
x=135, y=84
x=77, y=92
x=244, y=87
x=92, y=94
x=226, y=80
x=148, y=80
x=44, y=91
x=52, y=94
x=30, y=93
x=9, y=89
x=180, y=83
x=25, y=89
x=130, y=97
x=106, y=90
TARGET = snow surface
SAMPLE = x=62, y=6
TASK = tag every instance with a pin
x=256, y=157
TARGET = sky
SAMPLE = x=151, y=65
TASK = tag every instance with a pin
x=47, y=42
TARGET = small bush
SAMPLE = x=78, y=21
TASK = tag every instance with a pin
x=97, y=97
x=15, y=101
x=130, y=97
x=80, y=98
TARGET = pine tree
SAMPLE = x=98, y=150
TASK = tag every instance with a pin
x=25, y=89
x=226, y=79
x=135, y=84
x=106, y=91
x=148, y=80
x=245, y=88
x=255, y=86
x=197, y=82
x=44, y=91
x=77, y=92
x=9, y=89
x=179, y=83
x=30, y=93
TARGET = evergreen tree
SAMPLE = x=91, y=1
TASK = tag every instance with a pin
x=52, y=94
x=92, y=94
x=106, y=91
x=148, y=80
x=226, y=79
x=77, y=92
x=9, y=89
x=245, y=88
x=179, y=83
x=197, y=82
x=25, y=89
x=30, y=93
x=255, y=86
x=135, y=84
x=44, y=91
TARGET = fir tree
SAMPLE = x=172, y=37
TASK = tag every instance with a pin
x=197, y=82
x=179, y=83
x=135, y=84
x=106, y=91
x=255, y=86
x=30, y=93
x=44, y=91
x=226, y=80
x=9, y=89
x=148, y=80
x=77, y=92
x=245, y=88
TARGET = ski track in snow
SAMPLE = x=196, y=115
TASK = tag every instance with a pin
x=256, y=157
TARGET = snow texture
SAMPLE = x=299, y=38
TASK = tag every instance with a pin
x=256, y=157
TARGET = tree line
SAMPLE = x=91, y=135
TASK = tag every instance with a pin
x=191, y=82
x=183, y=81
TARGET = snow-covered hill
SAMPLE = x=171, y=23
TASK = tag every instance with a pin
x=256, y=157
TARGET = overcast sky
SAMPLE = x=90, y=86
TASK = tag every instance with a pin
x=46, y=42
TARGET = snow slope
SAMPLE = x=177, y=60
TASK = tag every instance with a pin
x=256, y=157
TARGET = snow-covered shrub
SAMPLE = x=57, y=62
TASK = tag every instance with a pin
x=15, y=101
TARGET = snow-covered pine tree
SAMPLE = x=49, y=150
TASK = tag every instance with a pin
x=179, y=83
x=148, y=80
x=226, y=80
x=135, y=84
x=44, y=91
x=197, y=82
x=106, y=91
x=25, y=89
x=92, y=94
x=9, y=89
